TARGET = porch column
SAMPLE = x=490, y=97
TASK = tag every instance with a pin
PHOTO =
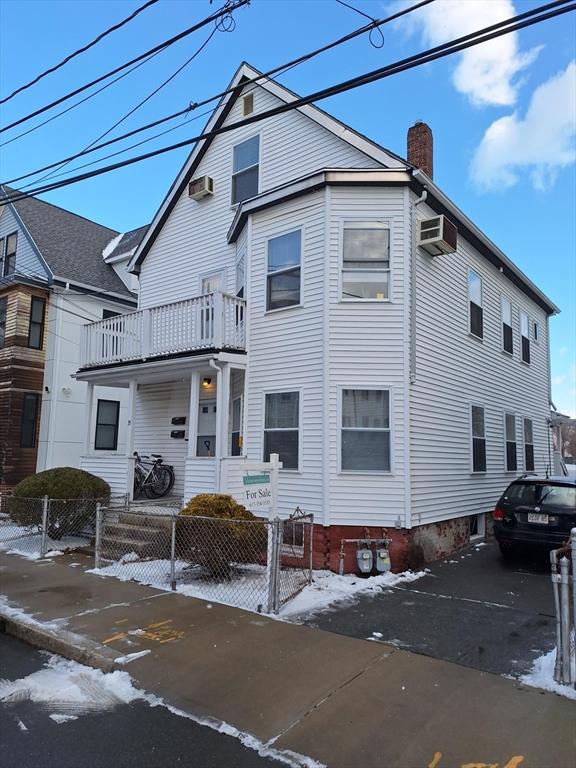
x=222, y=418
x=88, y=417
x=193, y=413
x=131, y=417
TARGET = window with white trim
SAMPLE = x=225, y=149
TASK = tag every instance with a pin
x=528, y=445
x=10, y=254
x=282, y=427
x=240, y=275
x=536, y=330
x=284, y=271
x=478, y=439
x=365, y=433
x=236, y=447
x=510, y=435
x=366, y=260
x=525, y=337
x=107, y=418
x=507, y=333
x=476, y=313
x=245, y=169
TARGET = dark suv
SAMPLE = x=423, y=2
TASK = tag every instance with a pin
x=535, y=510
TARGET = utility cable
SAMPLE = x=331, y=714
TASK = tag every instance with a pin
x=79, y=51
x=366, y=16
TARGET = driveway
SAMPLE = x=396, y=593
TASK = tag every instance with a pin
x=471, y=608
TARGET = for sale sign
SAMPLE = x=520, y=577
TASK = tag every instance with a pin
x=257, y=491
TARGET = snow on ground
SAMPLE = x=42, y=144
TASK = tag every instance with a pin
x=26, y=542
x=542, y=676
x=66, y=690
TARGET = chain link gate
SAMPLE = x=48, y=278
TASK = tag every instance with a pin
x=563, y=572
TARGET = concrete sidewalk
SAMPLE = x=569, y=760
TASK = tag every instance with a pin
x=342, y=701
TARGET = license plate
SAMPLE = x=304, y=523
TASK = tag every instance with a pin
x=535, y=517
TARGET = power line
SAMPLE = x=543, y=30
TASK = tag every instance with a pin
x=467, y=41
x=79, y=51
x=366, y=16
x=280, y=69
x=226, y=10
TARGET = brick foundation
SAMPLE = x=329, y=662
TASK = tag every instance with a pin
x=408, y=549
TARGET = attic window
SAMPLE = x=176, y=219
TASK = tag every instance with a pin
x=10, y=254
x=247, y=104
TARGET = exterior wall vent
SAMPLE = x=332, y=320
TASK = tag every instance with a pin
x=201, y=187
x=438, y=235
x=247, y=104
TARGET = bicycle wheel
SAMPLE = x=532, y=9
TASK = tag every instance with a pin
x=138, y=480
x=160, y=483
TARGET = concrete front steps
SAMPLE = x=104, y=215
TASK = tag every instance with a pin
x=135, y=533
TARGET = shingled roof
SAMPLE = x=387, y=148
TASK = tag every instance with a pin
x=128, y=242
x=70, y=244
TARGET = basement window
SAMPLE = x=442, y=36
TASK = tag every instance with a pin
x=245, y=169
x=476, y=313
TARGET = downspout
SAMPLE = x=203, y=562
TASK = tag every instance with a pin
x=414, y=285
x=218, y=457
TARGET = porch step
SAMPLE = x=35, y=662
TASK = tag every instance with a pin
x=113, y=548
x=143, y=521
x=123, y=530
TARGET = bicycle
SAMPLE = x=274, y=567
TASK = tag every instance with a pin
x=152, y=476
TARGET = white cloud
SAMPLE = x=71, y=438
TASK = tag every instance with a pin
x=541, y=143
x=558, y=380
x=486, y=73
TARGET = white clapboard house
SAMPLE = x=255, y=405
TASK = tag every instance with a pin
x=305, y=291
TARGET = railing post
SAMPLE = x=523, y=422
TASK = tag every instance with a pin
x=98, y=536
x=146, y=334
x=43, y=547
x=218, y=300
x=565, y=615
x=173, y=554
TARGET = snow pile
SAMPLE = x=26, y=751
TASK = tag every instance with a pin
x=27, y=542
x=542, y=676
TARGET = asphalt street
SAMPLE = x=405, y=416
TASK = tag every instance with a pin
x=472, y=608
x=126, y=736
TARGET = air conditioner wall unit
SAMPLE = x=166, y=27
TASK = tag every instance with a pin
x=201, y=187
x=437, y=235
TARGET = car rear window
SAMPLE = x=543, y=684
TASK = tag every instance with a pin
x=541, y=493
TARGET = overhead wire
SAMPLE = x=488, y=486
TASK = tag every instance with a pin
x=512, y=24
x=366, y=16
x=277, y=70
x=79, y=51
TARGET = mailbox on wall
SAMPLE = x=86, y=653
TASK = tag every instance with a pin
x=178, y=420
x=178, y=434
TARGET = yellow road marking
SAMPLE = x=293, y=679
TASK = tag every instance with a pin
x=435, y=760
x=114, y=637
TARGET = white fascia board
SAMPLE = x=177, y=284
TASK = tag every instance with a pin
x=427, y=182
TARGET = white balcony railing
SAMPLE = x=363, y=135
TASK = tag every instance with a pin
x=213, y=321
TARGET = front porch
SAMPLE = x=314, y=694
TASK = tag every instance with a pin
x=191, y=411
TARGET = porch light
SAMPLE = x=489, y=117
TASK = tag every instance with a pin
x=206, y=382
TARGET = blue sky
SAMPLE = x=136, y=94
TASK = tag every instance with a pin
x=503, y=117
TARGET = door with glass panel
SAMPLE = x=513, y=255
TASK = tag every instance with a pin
x=210, y=284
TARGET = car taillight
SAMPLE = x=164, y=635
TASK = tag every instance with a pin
x=498, y=514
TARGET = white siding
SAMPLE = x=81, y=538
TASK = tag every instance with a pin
x=27, y=262
x=366, y=349
x=114, y=470
x=455, y=370
x=200, y=477
x=193, y=240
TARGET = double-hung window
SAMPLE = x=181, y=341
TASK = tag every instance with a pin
x=366, y=260
x=3, y=313
x=36, y=326
x=281, y=427
x=10, y=254
x=283, y=278
x=510, y=436
x=528, y=445
x=30, y=402
x=507, y=335
x=525, y=337
x=365, y=438
x=245, y=169
x=536, y=329
x=476, y=313
x=478, y=439
x=107, y=416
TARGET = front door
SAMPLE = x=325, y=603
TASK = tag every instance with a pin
x=206, y=440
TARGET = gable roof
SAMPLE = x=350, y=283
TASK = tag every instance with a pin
x=70, y=245
x=243, y=74
x=124, y=244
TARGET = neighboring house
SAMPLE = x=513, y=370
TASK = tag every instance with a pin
x=53, y=280
x=286, y=306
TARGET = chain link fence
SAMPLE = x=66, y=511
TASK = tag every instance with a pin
x=36, y=527
x=254, y=564
x=563, y=571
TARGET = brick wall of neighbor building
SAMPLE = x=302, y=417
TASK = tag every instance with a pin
x=21, y=372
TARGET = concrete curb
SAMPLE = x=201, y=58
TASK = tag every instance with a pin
x=61, y=642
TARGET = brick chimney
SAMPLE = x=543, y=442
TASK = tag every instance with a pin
x=420, y=147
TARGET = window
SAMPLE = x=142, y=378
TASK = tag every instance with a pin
x=281, y=427
x=10, y=254
x=240, y=275
x=236, y=427
x=247, y=104
x=525, y=334
x=36, y=327
x=510, y=434
x=366, y=261
x=106, y=313
x=245, y=170
x=3, y=312
x=30, y=403
x=107, y=415
x=365, y=443
x=528, y=445
x=536, y=331
x=2, y=241
x=507, y=336
x=475, y=300
x=478, y=439
x=283, y=280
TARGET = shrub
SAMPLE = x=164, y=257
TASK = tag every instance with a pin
x=234, y=535
x=75, y=492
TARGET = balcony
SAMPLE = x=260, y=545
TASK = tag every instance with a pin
x=213, y=321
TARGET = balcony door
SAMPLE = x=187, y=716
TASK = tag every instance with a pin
x=210, y=284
